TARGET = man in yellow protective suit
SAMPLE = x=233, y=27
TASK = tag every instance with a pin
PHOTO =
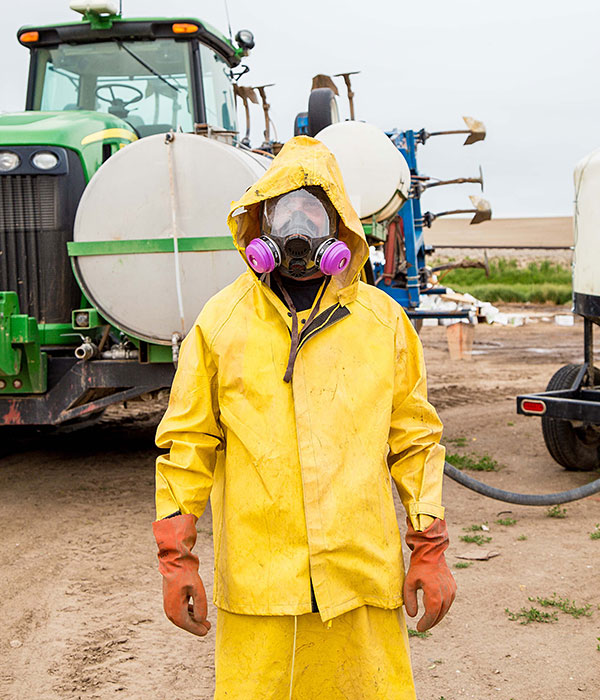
x=299, y=390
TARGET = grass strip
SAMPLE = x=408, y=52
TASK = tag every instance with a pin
x=474, y=463
x=525, y=616
x=538, y=282
x=416, y=633
x=567, y=606
x=475, y=539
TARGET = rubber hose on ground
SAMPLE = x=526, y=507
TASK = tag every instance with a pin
x=522, y=499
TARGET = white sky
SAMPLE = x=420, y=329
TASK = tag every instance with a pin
x=527, y=68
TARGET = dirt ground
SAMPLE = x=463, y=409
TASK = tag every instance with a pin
x=80, y=593
x=540, y=231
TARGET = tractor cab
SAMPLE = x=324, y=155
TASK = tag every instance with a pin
x=154, y=75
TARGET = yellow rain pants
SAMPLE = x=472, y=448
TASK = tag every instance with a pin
x=360, y=655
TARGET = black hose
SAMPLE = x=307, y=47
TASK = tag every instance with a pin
x=522, y=499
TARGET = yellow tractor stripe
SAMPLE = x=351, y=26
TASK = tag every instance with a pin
x=108, y=134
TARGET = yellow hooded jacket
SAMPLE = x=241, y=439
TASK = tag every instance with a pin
x=299, y=473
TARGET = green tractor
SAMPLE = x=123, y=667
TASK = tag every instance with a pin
x=97, y=88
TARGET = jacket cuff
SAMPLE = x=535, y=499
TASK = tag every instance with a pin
x=421, y=514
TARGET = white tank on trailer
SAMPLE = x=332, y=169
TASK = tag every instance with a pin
x=376, y=175
x=135, y=202
x=586, y=223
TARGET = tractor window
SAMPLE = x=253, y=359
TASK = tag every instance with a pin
x=218, y=92
x=146, y=83
x=63, y=89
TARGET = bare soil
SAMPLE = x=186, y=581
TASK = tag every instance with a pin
x=81, y=597
x=540, y=231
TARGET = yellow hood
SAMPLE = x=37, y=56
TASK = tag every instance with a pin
x=303, y=162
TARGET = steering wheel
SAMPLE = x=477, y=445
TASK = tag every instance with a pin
x=117, y=101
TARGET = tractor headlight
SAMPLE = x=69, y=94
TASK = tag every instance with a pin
x=45, y=160
x=8, y=161
x=245, y=39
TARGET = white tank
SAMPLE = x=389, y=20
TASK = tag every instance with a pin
x=586, y=223
x=135, y=196
x=376, y=175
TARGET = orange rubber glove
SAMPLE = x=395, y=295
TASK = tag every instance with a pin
x=175, y=538
x=428, y=570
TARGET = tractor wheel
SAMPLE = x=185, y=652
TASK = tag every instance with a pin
x=322, y=110
x=576, y=449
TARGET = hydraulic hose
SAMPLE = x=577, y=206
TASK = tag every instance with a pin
x=522, y=499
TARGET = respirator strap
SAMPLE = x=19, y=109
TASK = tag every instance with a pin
x=296, y=335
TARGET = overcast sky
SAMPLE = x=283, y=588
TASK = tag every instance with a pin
x=527, y=68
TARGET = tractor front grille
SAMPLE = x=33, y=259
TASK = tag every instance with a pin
x=28, y=203
x=36, y=221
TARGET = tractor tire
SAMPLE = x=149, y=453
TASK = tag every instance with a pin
x=322, y=110
x=576, y=449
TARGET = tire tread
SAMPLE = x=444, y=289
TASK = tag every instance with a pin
x=561, y=439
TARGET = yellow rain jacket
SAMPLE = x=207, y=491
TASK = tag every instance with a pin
x=299, y=473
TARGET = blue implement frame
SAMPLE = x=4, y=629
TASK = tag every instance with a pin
x=408, y=294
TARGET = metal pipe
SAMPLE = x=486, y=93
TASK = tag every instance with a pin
x=176, y=339
x=86, y=351
x=588, y=344
x=455, y=181
x=118, y=352
x=346, y=77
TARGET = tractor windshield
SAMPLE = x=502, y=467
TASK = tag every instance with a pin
x=218, y=93
x=149, y=84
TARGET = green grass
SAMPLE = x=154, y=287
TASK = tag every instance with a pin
x=462, y=564
x=536, y=282
x=525, y=616
x=475, y=539
x=522, y=538
x=459, y=441
x=420, y=635
x=475, y=463
x=507, y=522
x=595, y=535
x=567, y=606
x=556, y=512
x=476, y=528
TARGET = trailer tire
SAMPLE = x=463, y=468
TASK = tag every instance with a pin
x=322, y=110
x=571, y=447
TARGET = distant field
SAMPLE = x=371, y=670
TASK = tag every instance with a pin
x=550, y=231
x=537, y=282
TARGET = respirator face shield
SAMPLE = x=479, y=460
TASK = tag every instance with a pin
x=299, y=236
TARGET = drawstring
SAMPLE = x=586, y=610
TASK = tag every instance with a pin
x=295, y=334
x=293, y=655
x=329, y=623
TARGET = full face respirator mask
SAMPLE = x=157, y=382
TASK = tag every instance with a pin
x=299, y=236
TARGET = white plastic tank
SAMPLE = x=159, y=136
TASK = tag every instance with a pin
x=137, y=195
x=586, y=223
x=376, y=175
